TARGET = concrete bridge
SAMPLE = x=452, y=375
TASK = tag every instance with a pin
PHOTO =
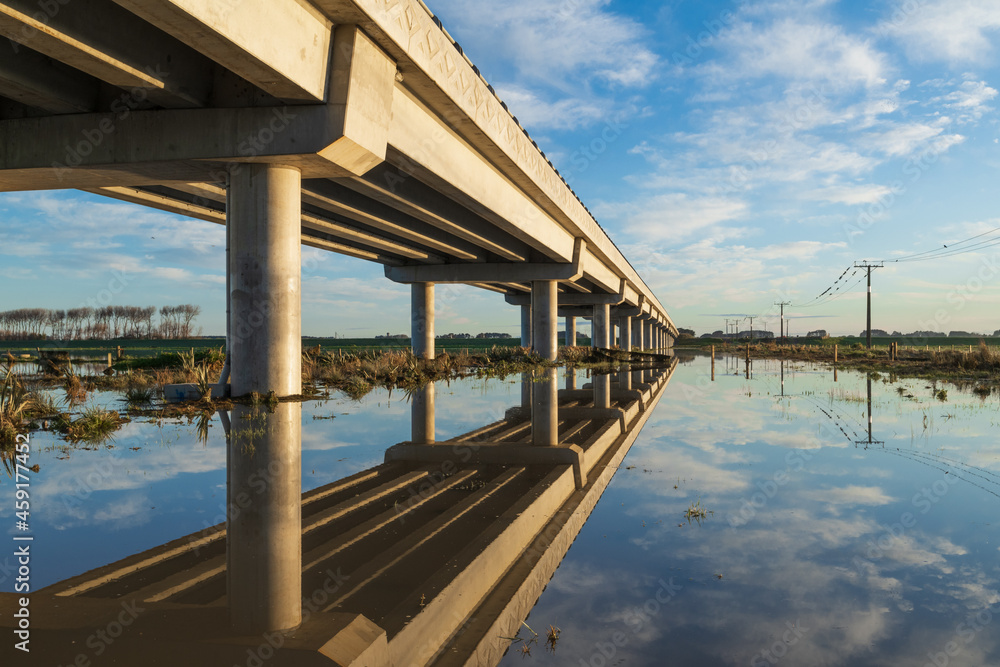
x=354, y=126
x=432, y=558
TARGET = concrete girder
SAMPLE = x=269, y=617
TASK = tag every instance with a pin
x=36, y=81
x=436, y=71
x=426, y=147
x=389, y=186
x=328, y=197
x=252, y=42
x=135, y=56
x=472, y=273
x=576, y=299
x=211, y=194
x=337, y=139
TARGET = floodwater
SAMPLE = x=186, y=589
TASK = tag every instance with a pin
x=822, y=543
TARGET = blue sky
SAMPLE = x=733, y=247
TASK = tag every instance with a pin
x=738, y=153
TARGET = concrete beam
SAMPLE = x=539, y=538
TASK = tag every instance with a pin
x=472, y=273
x=112, y=45
x=388, y=185
x=566, y=299
x=281, y=46
x=36, y=81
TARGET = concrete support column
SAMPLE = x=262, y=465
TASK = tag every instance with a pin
x=545, y=410
x=527, y=382
x=571, y=378
x=570, y=330
x=602, y=390
x=525, y=326
x=422, y=415
x=625, y=380
x=602, y=326
x=625, y=326
x=647, y=333
x=422, y=320
x=544, y=318
x=264, y=533
x=265, y=279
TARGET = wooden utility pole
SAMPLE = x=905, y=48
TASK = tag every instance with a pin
x=782, y=333
x=869, y=267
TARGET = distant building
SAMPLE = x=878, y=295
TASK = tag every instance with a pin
x=449, y=336
x=393, y=337
x=819, y=333
x=493, y=335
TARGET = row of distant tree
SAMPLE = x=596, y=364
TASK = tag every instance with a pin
x=102, y=323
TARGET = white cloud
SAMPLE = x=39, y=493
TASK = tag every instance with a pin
x=799, y=49
x=851, y=195
x=952, y=31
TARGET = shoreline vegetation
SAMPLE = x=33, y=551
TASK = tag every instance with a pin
x=963, y=365
x=54, y=397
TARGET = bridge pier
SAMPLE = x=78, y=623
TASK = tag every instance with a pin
x=526, y=326
x=602, y=326
x=545, y=410
x=422, y=319
x=422, y=415
x=264, y=577
x=265, y=279
x=647, y=334
x=625, y=329
x=264, y=522
x=544, y=318
x=570, y=330
x=602, y=390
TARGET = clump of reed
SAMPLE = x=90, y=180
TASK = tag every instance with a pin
x=94, y=425
x=19, y=406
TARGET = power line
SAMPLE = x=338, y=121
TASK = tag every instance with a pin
x=951, y=248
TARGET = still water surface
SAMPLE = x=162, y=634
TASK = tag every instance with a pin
x=821, y=546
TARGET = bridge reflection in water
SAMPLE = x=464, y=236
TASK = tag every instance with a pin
x=431, y=558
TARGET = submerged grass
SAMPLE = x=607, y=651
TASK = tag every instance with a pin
x=94, y=425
